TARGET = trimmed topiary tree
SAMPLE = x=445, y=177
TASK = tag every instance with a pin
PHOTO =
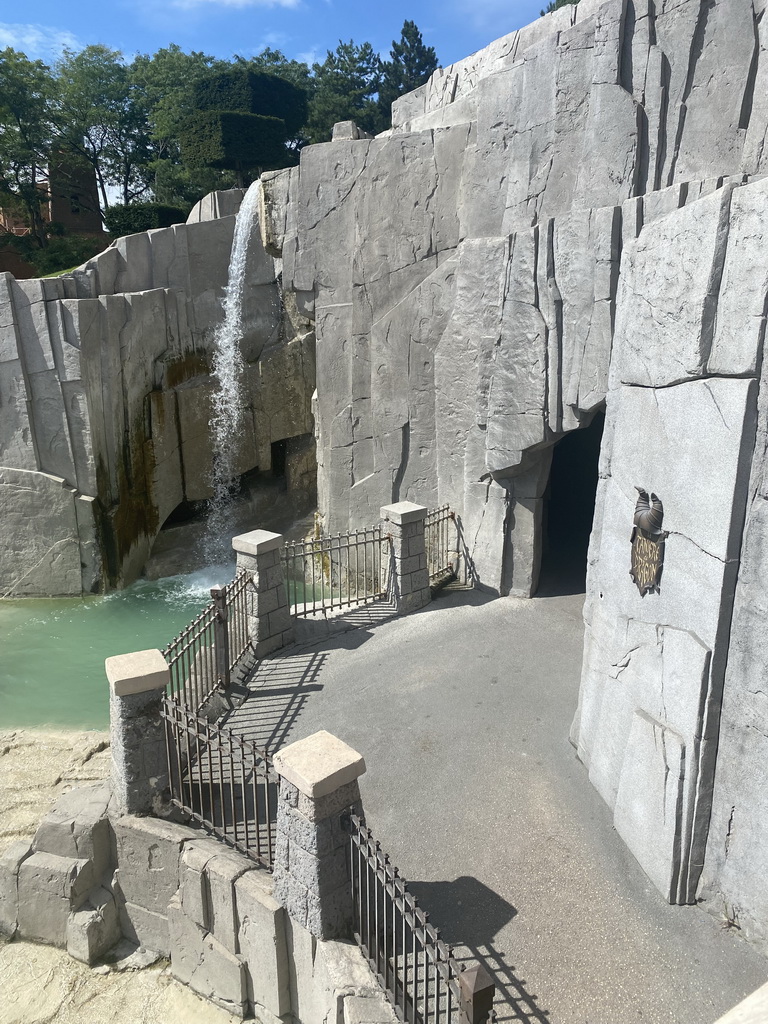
x=128, y=220
x=244, y=122
x=235, y=141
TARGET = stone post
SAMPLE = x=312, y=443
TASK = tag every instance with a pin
x=318, y=781
x=270, y=625
x=476, y=989
x=409, y=575
x=137, y=684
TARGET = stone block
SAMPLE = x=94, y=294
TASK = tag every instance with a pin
x=193, y=886
x=148, y=854
x=49, y=888
x=320, y=874
x=222, y=871
x=257, y=543
x=330, y=914
x=95, y=928
x=78, y=827
x=369, y=1010
x=146, y=928
x=280, y=621
x=403, y=513
x=139, y=759
x=329, y=806
x=10, y=862
x=262, y=944
x=291, y=894
x=752, y=1010
x=316, y=837
x=411, y=602
x=138, y=672
x=649, y=803
x=263, y=648
x=203, y=963
x=319, y=765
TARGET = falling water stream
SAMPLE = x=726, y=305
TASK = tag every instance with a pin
x=52, y=651
x=227, y=400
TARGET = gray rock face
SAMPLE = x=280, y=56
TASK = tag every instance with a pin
x=467, y=318
x=105, y=398
x=567, y=221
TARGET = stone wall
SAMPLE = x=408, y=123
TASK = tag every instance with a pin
x=568, y=221
x=90, y=880
x=466, y=319
x=105, y=398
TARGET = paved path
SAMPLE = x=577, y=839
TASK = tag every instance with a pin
x=462, y=712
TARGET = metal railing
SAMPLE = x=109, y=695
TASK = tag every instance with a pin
x=223, y=782
x=202, y=656
x=412, y=963
x=440, y=542
x=334, y=572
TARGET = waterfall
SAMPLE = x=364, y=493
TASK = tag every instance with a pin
x=227, y=399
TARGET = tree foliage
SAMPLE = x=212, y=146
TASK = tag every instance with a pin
x=346, y=89
x=97, y=117
x=127, y=220
x=410, y=65
x=170, y=126
x=26, y=88
x=555, y=5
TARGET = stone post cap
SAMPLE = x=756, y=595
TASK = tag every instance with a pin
x=319, y=765
x=137, y=672
x=404, y=512
x=257, y=542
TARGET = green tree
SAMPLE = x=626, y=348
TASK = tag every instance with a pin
x=296, y=72
x=244, y=122
x=26, y=88
x=555, y=5
x=346, y=88
x=98, y=119
x=410, y=66
x=163, y=86
x=274, y=62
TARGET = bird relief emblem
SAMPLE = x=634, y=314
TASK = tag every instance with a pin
x=647, y=543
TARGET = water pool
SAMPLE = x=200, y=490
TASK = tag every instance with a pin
x=52, y=651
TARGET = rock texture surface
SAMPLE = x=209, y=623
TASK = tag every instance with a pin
x=467, y=318
x=105, y=393
x=568, y=221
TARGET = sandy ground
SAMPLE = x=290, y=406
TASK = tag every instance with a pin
x=42, y=985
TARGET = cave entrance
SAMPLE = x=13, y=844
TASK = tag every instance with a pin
x=569, y=509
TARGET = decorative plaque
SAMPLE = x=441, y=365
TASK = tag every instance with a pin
x=647, y=543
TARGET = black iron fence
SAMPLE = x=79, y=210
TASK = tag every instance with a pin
x=441, y=543
x=412, y=963
x=223, y=782
x=333, y=572
x=202, y=656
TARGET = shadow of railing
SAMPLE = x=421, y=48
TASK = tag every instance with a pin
x=273, y=695
x=470, y=915
x=467, y=572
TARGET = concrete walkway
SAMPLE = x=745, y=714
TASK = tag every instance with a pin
x=462, y=712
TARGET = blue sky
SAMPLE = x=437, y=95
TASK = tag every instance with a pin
x=302, y=29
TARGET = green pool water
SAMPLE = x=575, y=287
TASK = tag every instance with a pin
x=52, y=651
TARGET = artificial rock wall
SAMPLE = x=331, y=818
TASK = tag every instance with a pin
x=105, y=398
x=571, y=220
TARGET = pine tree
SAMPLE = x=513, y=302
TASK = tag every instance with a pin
x=555, y=5
x=345, y=87
x=410, y=66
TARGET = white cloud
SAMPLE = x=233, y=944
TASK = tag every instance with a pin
x=310, y=56
x=37, y=41
x=239, y=4
x=271, y=40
